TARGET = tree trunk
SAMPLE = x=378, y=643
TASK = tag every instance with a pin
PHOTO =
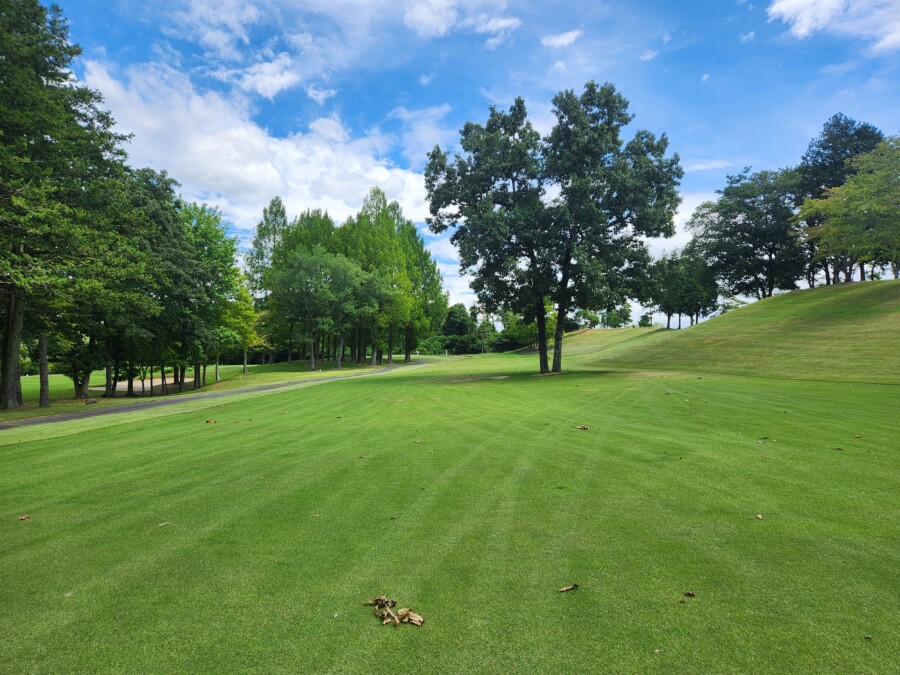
x=130, y=375
x=862, y=271
x=340, y=354
x=9, y=349
x=84, y=384
x=182, y=370
x=558, y=338
x=541, y=315
x=668, y=322
x=390, y=344
x=895, y=268
x=312, y=353
x=45, y=371
x=152, y=368
x=679, y=320
x=163, y=385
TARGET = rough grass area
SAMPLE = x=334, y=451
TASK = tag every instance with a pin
x=158, y=541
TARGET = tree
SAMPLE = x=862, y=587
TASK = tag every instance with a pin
x=54, y=140
x=582, y=248
x=748, y=235
x=826, y=164
x=859, y=221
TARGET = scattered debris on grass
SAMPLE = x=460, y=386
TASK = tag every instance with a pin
x=25, y=517
x=759, y=516
x=69, y=594
x=164, y=523
x=362, y=456
x=868, y=637
x=418, y=441
x=570, y=587
x=210, y=422
x=317, y=515
x=407, y=615
x=689, y=594
x=857, y=436
x=583, y=427
x=90, y=401
x=683, y=601
x=838, y=449
x=384, y=612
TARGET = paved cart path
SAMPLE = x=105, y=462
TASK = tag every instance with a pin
x=187, y=398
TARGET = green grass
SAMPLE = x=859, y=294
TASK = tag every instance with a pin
x=847, y=332
x=160, y=543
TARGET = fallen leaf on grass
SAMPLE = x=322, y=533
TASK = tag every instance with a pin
x=683, y=601
x=838, y=449
x=759, y=516
x=164, y=523
x=380, y=602
x=856, y=436
x=583, y=427
x=868, y=637
x=25, y=517
x=210, y=422
x=418, y=441
x=689, y=594
x=407, y=615
x=570, y=587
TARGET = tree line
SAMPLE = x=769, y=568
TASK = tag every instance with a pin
x=366, y=289
x=103, y=266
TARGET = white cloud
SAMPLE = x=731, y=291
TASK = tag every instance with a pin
x=269, y=78
x=877, y=21
x=220, y=26
x=705, y=77
x=747, y=37
x=320, y=95
x=707, y=165
x=425, y=80
x=666, y=38
x=431, y=18
x=648, y=55
x=561, y=39
x=422, y=130
x=209, y=143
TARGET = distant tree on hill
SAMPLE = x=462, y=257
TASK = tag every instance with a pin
x=827, y=164
x=859, y=221
x=748, y=235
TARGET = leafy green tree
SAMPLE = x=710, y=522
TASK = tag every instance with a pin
x=54, y=140
x=581, y=249
x=859, y=222
x=749, y=236
x=826, y=164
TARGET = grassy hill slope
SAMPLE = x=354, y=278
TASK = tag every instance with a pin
x=849, y=332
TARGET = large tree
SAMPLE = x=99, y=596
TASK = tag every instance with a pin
x=54, y=141
x=749, y=236
x=827, y=164
x=859, y=221
x=580, y=248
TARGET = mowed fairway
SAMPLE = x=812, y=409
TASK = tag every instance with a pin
x=158, y=542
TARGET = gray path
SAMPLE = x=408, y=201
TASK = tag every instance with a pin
x=186, y=398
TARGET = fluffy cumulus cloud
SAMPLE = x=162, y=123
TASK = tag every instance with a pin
x=561, y=39
x=648, y=55
x=210, y=144
x=877, y=21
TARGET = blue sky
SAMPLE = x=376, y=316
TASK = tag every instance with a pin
x=318, y=100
